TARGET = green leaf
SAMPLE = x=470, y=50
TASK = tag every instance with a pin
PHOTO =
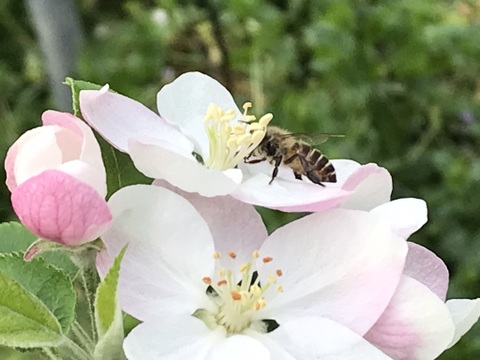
x=14, y=237
x=120, y=169
x=37, y=303
x=76, y=86
x=108, y=315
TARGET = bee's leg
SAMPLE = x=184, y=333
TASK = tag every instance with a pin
x=290, y=159
x=309, y=172
x=297, y=175
x=254, y=161
x=278, y=161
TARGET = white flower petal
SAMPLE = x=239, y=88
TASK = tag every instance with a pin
x=415, y=325
x=405, y=216
x=465, y=314
x=240, y=347
x=235, y=226
x=318, y=338
x=118, y=118
x=161, y=162
x=340, y=264
x=371, y=186
x=169, y=250
x=344, y=168
x=38, y=151
x=171, y=338
x=185, y=101
x=288, y=195
x=427, y=268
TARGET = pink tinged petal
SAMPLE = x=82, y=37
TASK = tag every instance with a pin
x=170, y=250
x=90, y=154
x=405, y=216
x=415, y=325
x=318, y=338
x=185, y=101
x=342, y=264
x=58, y=207
x=427, y=268
x=240, y=347
x=290, y=196
x=465, y=314
x=371, y=186
x=165, y=162
x=235, y=226
x=118, y=118
x=171, y=338
x=37, y=150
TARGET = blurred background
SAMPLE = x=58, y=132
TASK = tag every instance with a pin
x=400, y=78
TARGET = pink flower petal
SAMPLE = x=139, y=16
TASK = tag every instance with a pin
x=165, y=162
x=90, y=154
x=371, y=186
x=340, y=264
x=58, y=207
x=185, y=101
x=35, y=151
x=288, y=195
x=427, y=268
x=404, y=215
x=235, y=226
x=118, y=118
x=415, y=325
x=170, y=250
x=465, y=314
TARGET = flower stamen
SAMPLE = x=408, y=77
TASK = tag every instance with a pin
x=230, y=143
x=236, y=300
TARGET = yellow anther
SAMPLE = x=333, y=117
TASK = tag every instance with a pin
x=247, y=105
x=255, y=126
x=239, y=129
x=256, y=254
x=221, y=272
x=265, y=119
x=249, y=118
x=256, y=290
x=216, y=255
x=232, y=142
x=244, y=139
x=272, y=279
x=280, y=288
x=257, y=136
x=244, y=267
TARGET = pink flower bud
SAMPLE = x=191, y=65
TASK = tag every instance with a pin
x=58, y=181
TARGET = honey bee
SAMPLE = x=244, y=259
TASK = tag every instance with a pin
x=280, y=147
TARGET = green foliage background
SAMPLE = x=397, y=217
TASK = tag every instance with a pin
x=400, y=78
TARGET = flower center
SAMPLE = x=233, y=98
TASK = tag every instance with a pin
x=237, y=299
x=230, y=143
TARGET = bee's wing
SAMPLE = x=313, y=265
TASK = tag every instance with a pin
x=312, y=138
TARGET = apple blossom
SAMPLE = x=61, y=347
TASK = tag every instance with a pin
x=418, y=323
x=58, y=181
x=199, y=120
x=207, y=287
